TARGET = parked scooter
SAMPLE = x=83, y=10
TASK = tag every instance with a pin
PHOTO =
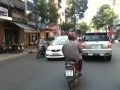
x=71, y=73
x=16, y=48
x=3, y=49
x=41, y=51
x=21, y=49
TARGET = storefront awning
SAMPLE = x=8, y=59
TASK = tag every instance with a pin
x=5, y=18
x=26, y=28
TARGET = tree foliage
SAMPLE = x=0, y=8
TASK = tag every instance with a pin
x=104, y=17
x=76, y=8
x=83, y=27
x=47, y=11
x=67, y=26
x=52, y=12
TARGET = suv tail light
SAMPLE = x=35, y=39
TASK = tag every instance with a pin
x=109, y=45
x=83, y=45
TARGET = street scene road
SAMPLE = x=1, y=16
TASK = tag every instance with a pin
x=29, y=73
x=33, y=31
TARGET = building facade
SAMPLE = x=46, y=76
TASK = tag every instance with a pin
x=53, y=30
x=61, y=5
x=5, y=16
x=116, y=8
x=32, y=19
x=15, y=28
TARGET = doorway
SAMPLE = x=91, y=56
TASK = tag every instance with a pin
x=47, y=35
x=11, y=37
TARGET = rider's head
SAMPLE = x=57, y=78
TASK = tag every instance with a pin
x=71, y=36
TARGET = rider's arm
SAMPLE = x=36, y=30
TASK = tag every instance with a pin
x=79, y=48
x=63, y=49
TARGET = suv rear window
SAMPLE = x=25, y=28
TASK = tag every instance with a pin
x=96, y=37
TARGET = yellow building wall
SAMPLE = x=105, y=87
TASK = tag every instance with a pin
x=21, y=37
x=42, y=34
x=26, y=39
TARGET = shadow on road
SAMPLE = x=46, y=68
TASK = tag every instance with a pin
x=96, y=59
x=56, y=59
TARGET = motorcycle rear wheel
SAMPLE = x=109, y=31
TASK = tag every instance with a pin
x=38, y=54
x=70, y=85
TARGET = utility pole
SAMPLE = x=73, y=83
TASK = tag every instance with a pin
x=26, y=10
x=26, y=7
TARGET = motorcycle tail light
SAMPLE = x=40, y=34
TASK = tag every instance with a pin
x=78, y=65
x=83, y=45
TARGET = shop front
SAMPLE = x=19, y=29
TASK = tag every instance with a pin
x=46, y=33
x=51, y=31
x=3, y=17
x=28, y=35
x=10, y=33
x=17, y=33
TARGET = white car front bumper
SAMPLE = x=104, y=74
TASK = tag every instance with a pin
x=50, y=54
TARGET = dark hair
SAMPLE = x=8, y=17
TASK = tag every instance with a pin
x=71, y=36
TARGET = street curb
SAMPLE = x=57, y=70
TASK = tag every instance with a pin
x=13, y=56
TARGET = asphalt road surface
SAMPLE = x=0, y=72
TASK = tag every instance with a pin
x=30, y=73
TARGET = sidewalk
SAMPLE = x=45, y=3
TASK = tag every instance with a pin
x=11, y=56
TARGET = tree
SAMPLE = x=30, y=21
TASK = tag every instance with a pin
x=41, y=8
x=83, y=27
x=76, y=8
x=52, y=13
x=105, y=17
x=67, y=26
x=47, y=11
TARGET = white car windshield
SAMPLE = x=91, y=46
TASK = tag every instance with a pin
x=60, y=40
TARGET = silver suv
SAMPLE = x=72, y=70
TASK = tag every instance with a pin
x=97, y=44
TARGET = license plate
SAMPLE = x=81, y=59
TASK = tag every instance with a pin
x=96, y=47
x=69, y=73
x=55, y=54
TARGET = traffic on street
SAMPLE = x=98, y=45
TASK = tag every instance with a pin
x=29, y=73
x=59, y=45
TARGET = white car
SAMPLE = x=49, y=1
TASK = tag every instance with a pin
x=97, y=44
x=54, y=50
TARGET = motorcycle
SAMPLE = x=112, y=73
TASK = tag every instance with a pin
x=21, y=49
x=41, y=51
x=71, y=73
x=16, y=48
x=3, y=49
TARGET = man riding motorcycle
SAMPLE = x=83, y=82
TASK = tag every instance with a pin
x=72, y=51
x=41, y=47
x=42, y=42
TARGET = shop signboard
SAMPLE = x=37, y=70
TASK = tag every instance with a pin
x=3, y=11
x=4, y=14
